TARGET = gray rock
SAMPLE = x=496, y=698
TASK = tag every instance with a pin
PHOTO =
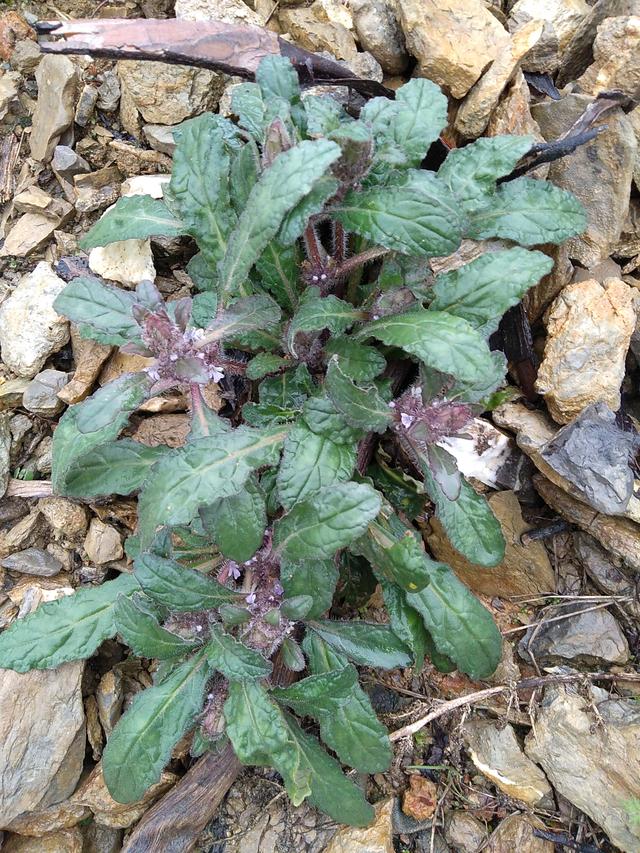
x=33, y=561
x=5, y=452
x=607, y=572
x=66, y=163
x=57, y=80
x=379, y=32
x=41, y=395
x=561, y=18
x=9, y=83
x=464, y=832
x=26, y=56
x=589, y=747
x=587, y=636
x=515, y=835
x=594, y=454
x=86, y=105
x=598, y=173
x=109, y=92
x=102, y=543
x=30, y=329
x=160, y=137
x=42, y=737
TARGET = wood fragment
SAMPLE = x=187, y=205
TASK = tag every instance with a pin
x=9, y=150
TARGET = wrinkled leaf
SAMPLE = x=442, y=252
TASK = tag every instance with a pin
x=117, y=467
x=102, y=312
x=316, y=312
x=178, y=587
x=315, y=578
x=233, y=659
x=143, y=634
x=360, y=407
x=238, y=522
x=134, y=217
x=366, y=643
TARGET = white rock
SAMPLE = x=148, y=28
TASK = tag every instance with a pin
x=127, y=261
x=152, y=185
x=30, y=329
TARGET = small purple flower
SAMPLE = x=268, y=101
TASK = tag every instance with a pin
x=251, y=598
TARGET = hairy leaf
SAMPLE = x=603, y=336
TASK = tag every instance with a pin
x=245, y=168
x=178, y=587
x=264, y=363
x=322, y=417
x=360, y=363
x=316, y=312
x=405, y=621
x=102, y=312
x=238, y=522
x=320, y=655
x=233, y=659
x=133, y=218
x=245, y=315
x=142, y=633
x=297, y=219
x=366, y=643
x=117, y=467
x=278, y=268
x=70, y=628
x=314, y=578
x=360, y=407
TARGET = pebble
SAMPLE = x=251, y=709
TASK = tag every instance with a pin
x=33, y=561
x=41, y=395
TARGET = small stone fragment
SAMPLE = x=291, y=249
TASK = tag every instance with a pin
x=378, y=30
x=97, y=190
x=609, y=574
x=13, y=27
x=312, y=32
x=589, y=747
x=57, y=80
x=615, y=52
x=561, y=18
x=126, y=261
x=40, y=822
x=67, y=519
x=419, y=801
x=5, y=452
x=11, y=393
x=86, y=105
x=30, y=328
x=101, y=839
x=62, y=841
x=515, y=833
x=375, y=838
x=26, y=56
x=35, y=200
x=153, y=185
x=67, y=163
x=109, y=698
x=109, y=92
x=103, y=543
x=160, y=137
x=24, y=534
x=229, y=11
x=33, y=561
x=170, y=430
x=454, y=41
x=29, y=233
x=41, y=395
x=9, y=83
x=464, y=832
x=496, y=752
x=589, y=329
x=134, y=161
x=89, y=356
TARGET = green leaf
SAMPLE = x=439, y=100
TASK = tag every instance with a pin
x=238, y=522
x=296, y=608
x=480, y=292
x=406, y=623
x=405, y=128
x=529, y=212
x=320, y=655
x=245, y=315
x=360, y=363
x=248, y=105
x=444, y=342
x=311, y=462
x=264, y=363
x=200, y=185
x=179, y=588
x=133, y=218
x=460, y=626
x=324, y=114
x=94, y=422
x=255, y=725
x=416, y=215
x=314, y=578
x=204, y=308
x=441, y=662
x=277, y=78
x=471, y=172
x=140, y=745
x=366, y=643
x=118, y=468
x=292, y=656
x=316, y=312
x=322, y=417
x=233, y=659
x=297, y=219
x=469, y=523
x=70, y=628
x=289, y=178
x=348, y=724
x=203, y=275
x=102, y=312
x=278, y=268
x=326, y=521
x=142, y=633
x=245, y=168
x=403, y=491
x=360, y=407
x=201, y=472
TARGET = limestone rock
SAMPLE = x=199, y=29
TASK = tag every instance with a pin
x=132, y=160
x=86, y=105
x=454, y=41
x=538, y=298
x=43, y=821
x=593, y=761
x=126, y=261
x=89, y=356
x=41, y=394
x=42, y=737
x=473, y=116
x=101, y=839
x=587, y=637
x=11, y=393
x=634, y=118
x=109, y=699
x=420, y=799
x=375, y=838
x=464, y=832
x=62, y=841
x=26, y=56
x=525, y=569
x=97, y=190
x=109, y=92
x=561, y=18
x=66, y=518
x=513, y=115
x=33, y=561
x=609, y=574
x=57, y=80
x=67, y=163
x=30, y=328
x=171, y=430
x=589, y=328
x=35, y=200
x=497, y=754
x=103, y=543
x=598, y=173
x=379, y=32
x=169, y=95
x=515, y=833
x=24, y=534
x=310, y=30
x=615, y=51
x=229, y=11
x=160, y=137
x=9, y=83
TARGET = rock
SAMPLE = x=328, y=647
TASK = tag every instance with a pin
x=122, y=362
x=598, y=173
x=11, y=393
x=41, y=395
x=66, y=518
x=153, y=185
x=160, y=137
x=538, y=298
x=97, y=190
x=525, y=569
x=26, y=56
x=9, y=83
x=589, y=748
x=229, y=11
x=615, y=53
x=101, y=839
x=376, y=25
x=30, y=328
x=561, y=18
x=634, y=118
x=473, y=115
x=13, y=27
x=310, y=30
x=63, y=841
x=169, y=95
x=515, y=833
x=589, y=328
x=497, y=754
x=109, y=699
x=617, y=535
x=127, y=261
x=57, y=80
x=594, y=455
x=608, y=573
x=133, y=160
x=93, y=794
x=464, y=832
x=22, y=535
x=86, y=105
x=34, y=230
x=420, y=799
x=89, y=356
x=35, y=200
x=43, y=821
x=109, y=92
x=586, y=637
x=454, y=41
x=42, y=738
x=170, y=430
x=5, y=452
x=33, y=561
x=66, y=163
x=102, y=543
x=513, y=116
x=375, y=838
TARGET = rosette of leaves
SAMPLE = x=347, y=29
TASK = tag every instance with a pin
x=316, y=304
